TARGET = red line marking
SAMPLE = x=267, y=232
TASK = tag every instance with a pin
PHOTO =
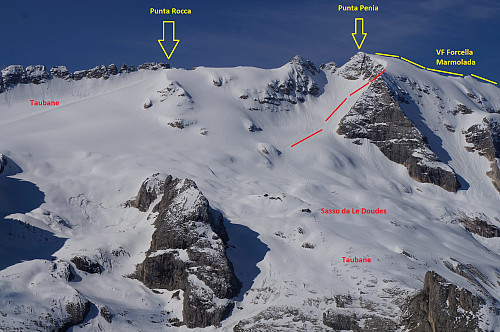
x=335, y=110
x=360, y=88
x=302, y=140
x=368, y=82
x=377, y=76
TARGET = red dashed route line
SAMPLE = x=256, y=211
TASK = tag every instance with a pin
x=328, y=118
x=302, y=140
x=359, y=89
x=335, y=110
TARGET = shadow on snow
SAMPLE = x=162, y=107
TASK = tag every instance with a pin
x=245, y=252
x=20, y=241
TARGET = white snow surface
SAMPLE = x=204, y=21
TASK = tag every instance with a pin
x=81, y=161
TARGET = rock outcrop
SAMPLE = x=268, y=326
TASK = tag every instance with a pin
x=47, y=303
x=3, y=162
x=16, y=74
x=338, y=321
x=85, y=264
x=61, y=72
x=150, y=190
x=77, y=311
x=485, y=140
x=361, y=66
x=280, y=318
x=187, y=250
x=377, y=116
x=479, y=226
x=301, y=79
x=153, y=66
x=442, y=306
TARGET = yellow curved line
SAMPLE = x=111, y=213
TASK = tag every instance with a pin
x=482, y=78
x=436, y=70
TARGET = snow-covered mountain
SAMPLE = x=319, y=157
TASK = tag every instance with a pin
x=159, y=198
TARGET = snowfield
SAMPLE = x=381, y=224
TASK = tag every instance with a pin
x=71, y=169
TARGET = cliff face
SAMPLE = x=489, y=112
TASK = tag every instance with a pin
x=484, y=138
x=187, y=250
x=377, y=116
x=442, y=306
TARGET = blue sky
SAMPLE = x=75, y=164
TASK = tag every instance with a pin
x=222, y=33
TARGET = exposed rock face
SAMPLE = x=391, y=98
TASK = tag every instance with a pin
x=77, y=311
x=83, y=263
x=37, y=74
x=48, y=303
x=62, y=270
x=175, y=89
x=61, y=72
x=485, y=139
x=272, y=320
x=329, y=67
x=188, y=250
x=3, y=162
x=153, y=66
x=379, y=118
x=12, y=75
x=471, y=273
x=442, y=306
x=124, y=69
x=106, y=314
x=112, y=69
x=16, y=74
x=479, y=226
x=360, y=66
x=150, y=190
x=339, y=321
x=302, y=79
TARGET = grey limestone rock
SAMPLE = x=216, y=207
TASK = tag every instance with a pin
x=124, y=69
x=361, y=65
x=153, y=66
x=112, y=69
x=16, y=74
x=272, y=319
x=150, y=190
x=86, y=264
x=442, y=306
x=485, y=140
x=61, y=72
x=187, y=250
x=3, y=162
x=339, y=321
x=377, y=116
x=37, y=74
x=479, y=226
x=77, y=311
x=106, y=314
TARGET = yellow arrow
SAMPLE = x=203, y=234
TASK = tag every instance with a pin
x=169, y=44
x=356, y=32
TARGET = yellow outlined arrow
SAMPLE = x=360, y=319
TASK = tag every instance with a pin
x=168, y=43
x=356, y=31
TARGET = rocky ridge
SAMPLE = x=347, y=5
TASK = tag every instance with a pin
x=12, y=75
x=301, y=80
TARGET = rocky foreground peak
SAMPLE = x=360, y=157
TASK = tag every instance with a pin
x=188, y=250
